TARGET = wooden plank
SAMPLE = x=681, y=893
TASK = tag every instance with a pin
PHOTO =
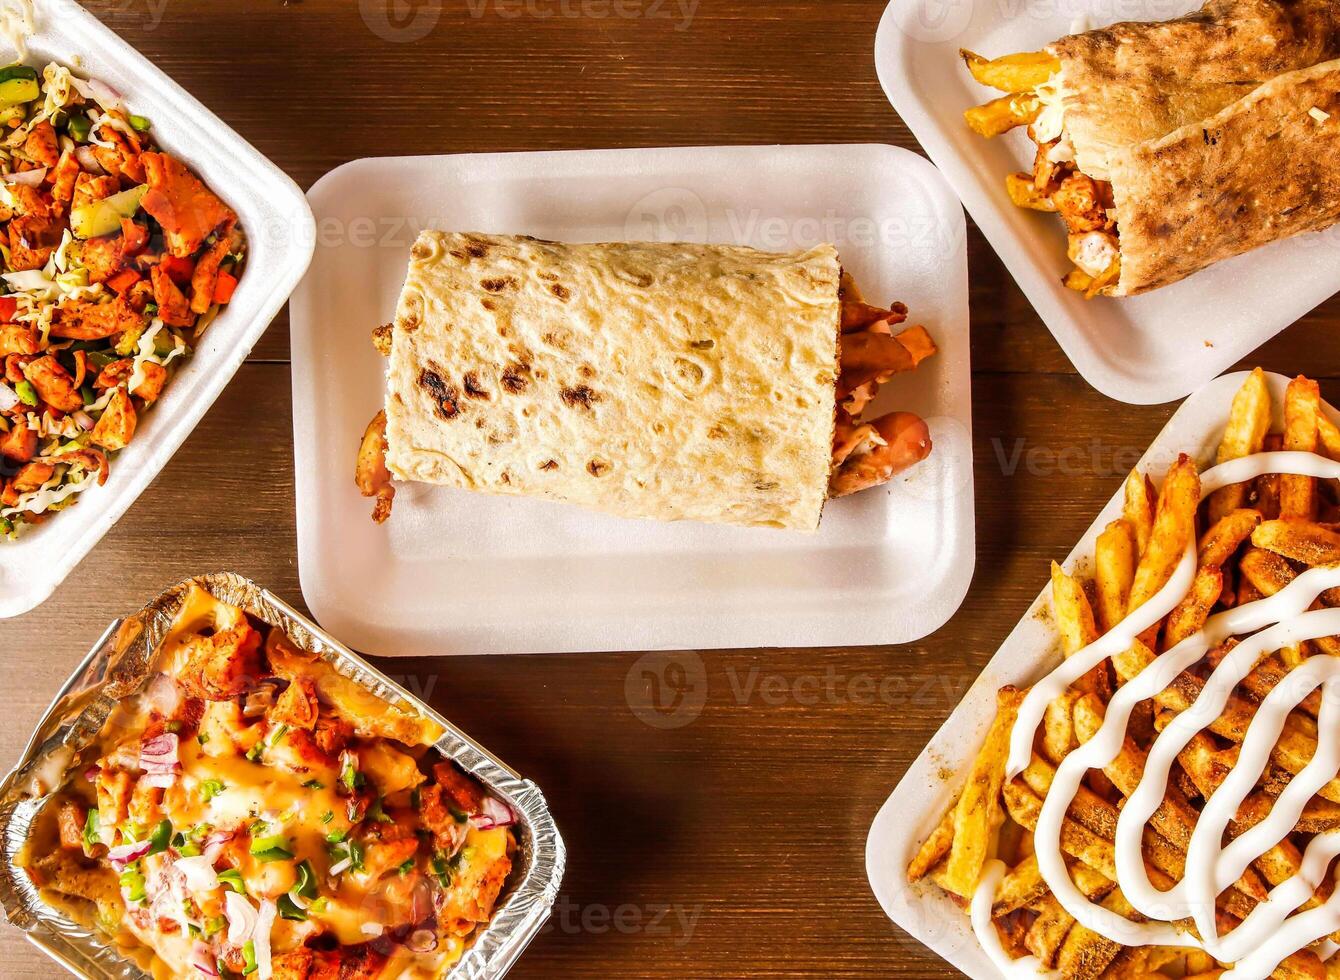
x=732, y=845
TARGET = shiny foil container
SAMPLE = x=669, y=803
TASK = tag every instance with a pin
x=120, y=664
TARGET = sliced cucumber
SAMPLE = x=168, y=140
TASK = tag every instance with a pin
x=104, y=217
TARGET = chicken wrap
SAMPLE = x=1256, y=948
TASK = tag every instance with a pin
x=666, y=381
x=1169, y=146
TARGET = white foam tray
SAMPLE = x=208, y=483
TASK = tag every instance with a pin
x=934, y=779
x=456, y=572
x=278, y=223
x=1143, y=349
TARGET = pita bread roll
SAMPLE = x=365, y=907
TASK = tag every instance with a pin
x=1264, y=169
x=1131, y=82
x=666, y=381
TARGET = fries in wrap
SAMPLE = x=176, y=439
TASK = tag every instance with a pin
x=1169, y=146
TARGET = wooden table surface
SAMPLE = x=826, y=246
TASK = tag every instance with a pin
x=732, y=845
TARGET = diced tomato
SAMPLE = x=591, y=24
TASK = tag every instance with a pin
x=123, y=280
x=224, y=288
x=9, y=308
x=178, y=269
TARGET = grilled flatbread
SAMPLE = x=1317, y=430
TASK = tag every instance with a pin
x=1264, y=169
x=645, y=380
x=1169, y=146
x=1132, y=82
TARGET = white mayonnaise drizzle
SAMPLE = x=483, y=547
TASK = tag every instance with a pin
x=1027, y=966
x=1269, y=934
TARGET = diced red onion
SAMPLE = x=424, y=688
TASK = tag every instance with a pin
x=83, y=420
x=159, y=754
x=87, y=161
x=92, y=773
x=199, y=873
x=213, y=844
x=8, y=398
x=241, y=916
x=422, y=941
x=28, y=178
x=202, y=960
x=163, y=694
x=125, y=854
x=99, y=91
x=265, y=920
x=422, y=901
x=494, y=813
x=158, y=780
x=258, y=701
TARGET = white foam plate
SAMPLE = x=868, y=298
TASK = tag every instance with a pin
x=1143, y=349
x=934, y=779
x=458, y=572
x=278, y=223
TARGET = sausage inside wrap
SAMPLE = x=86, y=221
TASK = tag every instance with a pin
x=665, y=381
x=1169, y=146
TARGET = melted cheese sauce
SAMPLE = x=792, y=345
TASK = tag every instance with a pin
x=222, y=790
x=1272, y=931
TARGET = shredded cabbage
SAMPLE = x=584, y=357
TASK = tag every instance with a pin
x=33, y=281
x=59, y=86
x=102, y=401
x=42, y=499
x=45, y=425
x=60, y=259
x=1050, y=123
x=148, y=353
x=18, y=22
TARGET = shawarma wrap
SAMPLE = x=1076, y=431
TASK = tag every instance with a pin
x=1169, y=146
x=667, y=381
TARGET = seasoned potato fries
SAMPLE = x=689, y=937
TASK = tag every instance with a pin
x=1165, y=803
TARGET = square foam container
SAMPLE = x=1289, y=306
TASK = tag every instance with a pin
x=1146, y=349
x=460, y=572
x=934, y=779
x=280, y=235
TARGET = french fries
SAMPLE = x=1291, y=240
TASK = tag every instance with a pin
x=1302, y=405
x=1014, y=72
x=1114, y=572
x=1250, y=541
x=1024, y=193
x=1138, y=508
x=1248, y=422
x=977, y=815
x=1003, y=114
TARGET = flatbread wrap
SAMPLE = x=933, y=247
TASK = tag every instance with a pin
x=668, y=381
x=1166, y=147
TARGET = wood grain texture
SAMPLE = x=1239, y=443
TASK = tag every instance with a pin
x=746, y=826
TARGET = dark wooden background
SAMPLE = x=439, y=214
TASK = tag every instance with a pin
x=732, y=845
